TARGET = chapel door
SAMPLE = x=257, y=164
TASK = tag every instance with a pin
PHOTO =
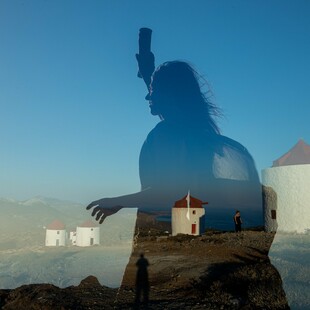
x=193, y=229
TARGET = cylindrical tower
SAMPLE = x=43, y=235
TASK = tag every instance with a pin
x=188, y=216
x=286, y=191
x=55, y=234
x=87, y=234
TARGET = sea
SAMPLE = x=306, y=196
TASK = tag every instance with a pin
x=223, y=219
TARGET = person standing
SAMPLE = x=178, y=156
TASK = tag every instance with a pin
x=238, y=221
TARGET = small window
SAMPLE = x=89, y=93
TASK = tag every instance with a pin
x=57, y=232
x=92, y=229
x=274, y=214
x=194, y=211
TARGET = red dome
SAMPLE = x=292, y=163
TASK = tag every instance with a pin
x=56, y=225
x=194, y=203
x=88, y=223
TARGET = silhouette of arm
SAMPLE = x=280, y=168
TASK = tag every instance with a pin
x=235, y=219
x=146, y=200
x=159, y=189
x=145, y=58
x=169, y=167
x=146, y=64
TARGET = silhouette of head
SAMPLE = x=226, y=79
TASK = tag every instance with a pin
x=176, y=95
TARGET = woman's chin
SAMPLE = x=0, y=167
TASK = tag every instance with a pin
x=153, y=110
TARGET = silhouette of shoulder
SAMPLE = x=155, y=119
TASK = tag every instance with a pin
x=173, y=152
x=142, y=263
x=233, y=161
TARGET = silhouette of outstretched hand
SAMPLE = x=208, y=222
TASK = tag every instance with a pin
x=100, y=211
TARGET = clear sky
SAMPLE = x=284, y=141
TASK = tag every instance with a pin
x=72, y=111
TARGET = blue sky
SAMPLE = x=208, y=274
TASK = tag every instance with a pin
x=73, y=115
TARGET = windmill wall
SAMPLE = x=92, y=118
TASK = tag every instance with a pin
x=87, y=236
x=55, y=237
x=190, y=225
x=287, y=198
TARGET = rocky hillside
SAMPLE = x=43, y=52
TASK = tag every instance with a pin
x=215, y=271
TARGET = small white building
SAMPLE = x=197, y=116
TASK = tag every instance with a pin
x=55, y=234
x=188, y=216
x=287, y=191
x=87, y=234
x=72, y=237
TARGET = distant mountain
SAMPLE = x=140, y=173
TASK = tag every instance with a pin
x=39, y=212
x=23, y=223
x=63, y=206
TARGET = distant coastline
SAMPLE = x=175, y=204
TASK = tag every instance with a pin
x=223, y=219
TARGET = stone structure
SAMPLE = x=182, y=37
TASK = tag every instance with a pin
x=188, y=216
x=55, y=234
x=286, y=191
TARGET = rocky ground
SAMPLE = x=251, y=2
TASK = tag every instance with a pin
x=219, y=270
x=215, y=271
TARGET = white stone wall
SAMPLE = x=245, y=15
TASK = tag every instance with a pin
x=55, y=237
x=87, y=236
x=72, y=237
x=180, y=222
x=291, y=184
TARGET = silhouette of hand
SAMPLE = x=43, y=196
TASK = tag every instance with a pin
x=146, y=64
x=100, y=211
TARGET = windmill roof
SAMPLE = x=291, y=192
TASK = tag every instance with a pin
x=88, y=223
x=56, y=225
x=194, y=203
x=299, y=154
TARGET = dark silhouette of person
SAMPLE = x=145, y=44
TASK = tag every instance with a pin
x=237, y=221
x=185, y=151
x=142, y=280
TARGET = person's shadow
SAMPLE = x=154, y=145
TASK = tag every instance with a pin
x=142, y=282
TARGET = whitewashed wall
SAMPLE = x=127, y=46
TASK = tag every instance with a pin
x=53, y=235
x=181, y=224
x=84, y=235
x=291, y=185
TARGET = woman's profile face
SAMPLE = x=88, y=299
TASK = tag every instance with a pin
x=157, y=98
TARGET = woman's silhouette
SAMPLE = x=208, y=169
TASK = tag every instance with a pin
x=185, y=151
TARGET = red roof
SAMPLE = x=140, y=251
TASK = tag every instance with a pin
x=88, y=223
x=194, y=203
x=56, y=225
x=299, y=154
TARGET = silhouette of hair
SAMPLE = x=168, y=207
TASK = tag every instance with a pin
x=179, y=81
